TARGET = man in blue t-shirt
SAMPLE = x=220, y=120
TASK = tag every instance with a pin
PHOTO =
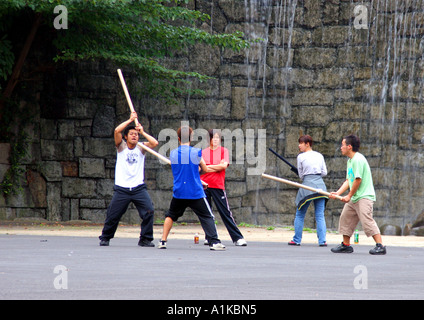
x=188, y=190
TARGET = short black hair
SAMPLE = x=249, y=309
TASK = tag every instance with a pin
x=127, y=130
x=354, y=141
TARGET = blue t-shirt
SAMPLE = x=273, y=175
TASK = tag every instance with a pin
x=185, y=169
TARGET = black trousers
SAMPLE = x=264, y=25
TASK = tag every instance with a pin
x=220, y=199
x=119, y=205
x=201, y=209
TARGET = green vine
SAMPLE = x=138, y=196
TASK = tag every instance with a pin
x=11, y=183
x=12, y=120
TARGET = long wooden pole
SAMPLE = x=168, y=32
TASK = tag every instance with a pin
x=298, y=185
x=142, y=145
x=156, y=154
x=124, y=86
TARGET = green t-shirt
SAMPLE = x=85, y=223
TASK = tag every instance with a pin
x=358, y=167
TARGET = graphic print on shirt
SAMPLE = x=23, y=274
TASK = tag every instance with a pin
x=132, y=157
x=350, y=175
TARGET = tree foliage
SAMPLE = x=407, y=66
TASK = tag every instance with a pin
x=130, y=33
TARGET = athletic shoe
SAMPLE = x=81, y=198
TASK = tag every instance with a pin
x=379, y=249
x=162, y=244
x=240, y=243
x=145, y=243
x=342, y=248
x=104, y=243
x=217, y=247
x=292, y=243
x=206, y=243
x=323, y=244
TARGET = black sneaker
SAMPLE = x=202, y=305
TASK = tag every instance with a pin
x=342, y=248
x=378, y=249
x=145, y=243
x=104, y=243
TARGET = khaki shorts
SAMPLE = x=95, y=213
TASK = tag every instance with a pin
x=353, y=213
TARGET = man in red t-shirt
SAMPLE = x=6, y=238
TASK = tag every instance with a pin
x=217, y=159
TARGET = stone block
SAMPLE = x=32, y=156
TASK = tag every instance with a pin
x=91, y=168
x=104, y=122
x=344, y=110
x=93, y=215
x=312, y=115
x=66, y=129
x=312, y=13
x=51, y=170
x=92, y=203
x=57, y=150
x=354, y=56
x=300, y=78
x=295, y=37
x=69, y=169
x=3, y=169
x=233, y=10
x=79, y=188
x=313, y=97
x=164, y=180
x=37, y=187
x=48, y=129
x=54, y=201
x=314, y=57
x=333, y=78
x=79, y=108
x=332, y=36
x=204, y=59
x=161, y=199
x=330, y=14
x=104, y=188
x=238, y=102
x=390, y=230
x=280, y=58
x=235, y=188
x=4, y=153
x=99, y=147
x=211, y=108
x=7, y=213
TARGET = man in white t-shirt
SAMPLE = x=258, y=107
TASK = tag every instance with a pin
x=129, y=183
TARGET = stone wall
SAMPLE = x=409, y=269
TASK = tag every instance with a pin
x=314, y=73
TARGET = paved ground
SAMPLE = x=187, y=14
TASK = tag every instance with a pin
x=51, y=266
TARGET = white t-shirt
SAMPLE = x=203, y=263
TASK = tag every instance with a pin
x=311, y=162
x=129, y=169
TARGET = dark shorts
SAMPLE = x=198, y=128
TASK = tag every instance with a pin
x=203, y=211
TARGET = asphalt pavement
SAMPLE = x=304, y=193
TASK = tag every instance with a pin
x=77, y=268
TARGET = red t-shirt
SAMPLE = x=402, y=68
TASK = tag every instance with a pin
x=215, y=179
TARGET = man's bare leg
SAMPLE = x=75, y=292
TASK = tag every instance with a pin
x=167, y=225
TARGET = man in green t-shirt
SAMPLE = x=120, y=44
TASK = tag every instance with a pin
x=360, y=199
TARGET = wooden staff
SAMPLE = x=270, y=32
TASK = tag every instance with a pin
x=142, y=145
x=124, y=86
x=156, y=154
x=164, y=159
x=298, y=185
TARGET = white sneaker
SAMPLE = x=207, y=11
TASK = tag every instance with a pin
x=241, y=243
x=206, y=243
x=161, y=244
x=217, y=247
